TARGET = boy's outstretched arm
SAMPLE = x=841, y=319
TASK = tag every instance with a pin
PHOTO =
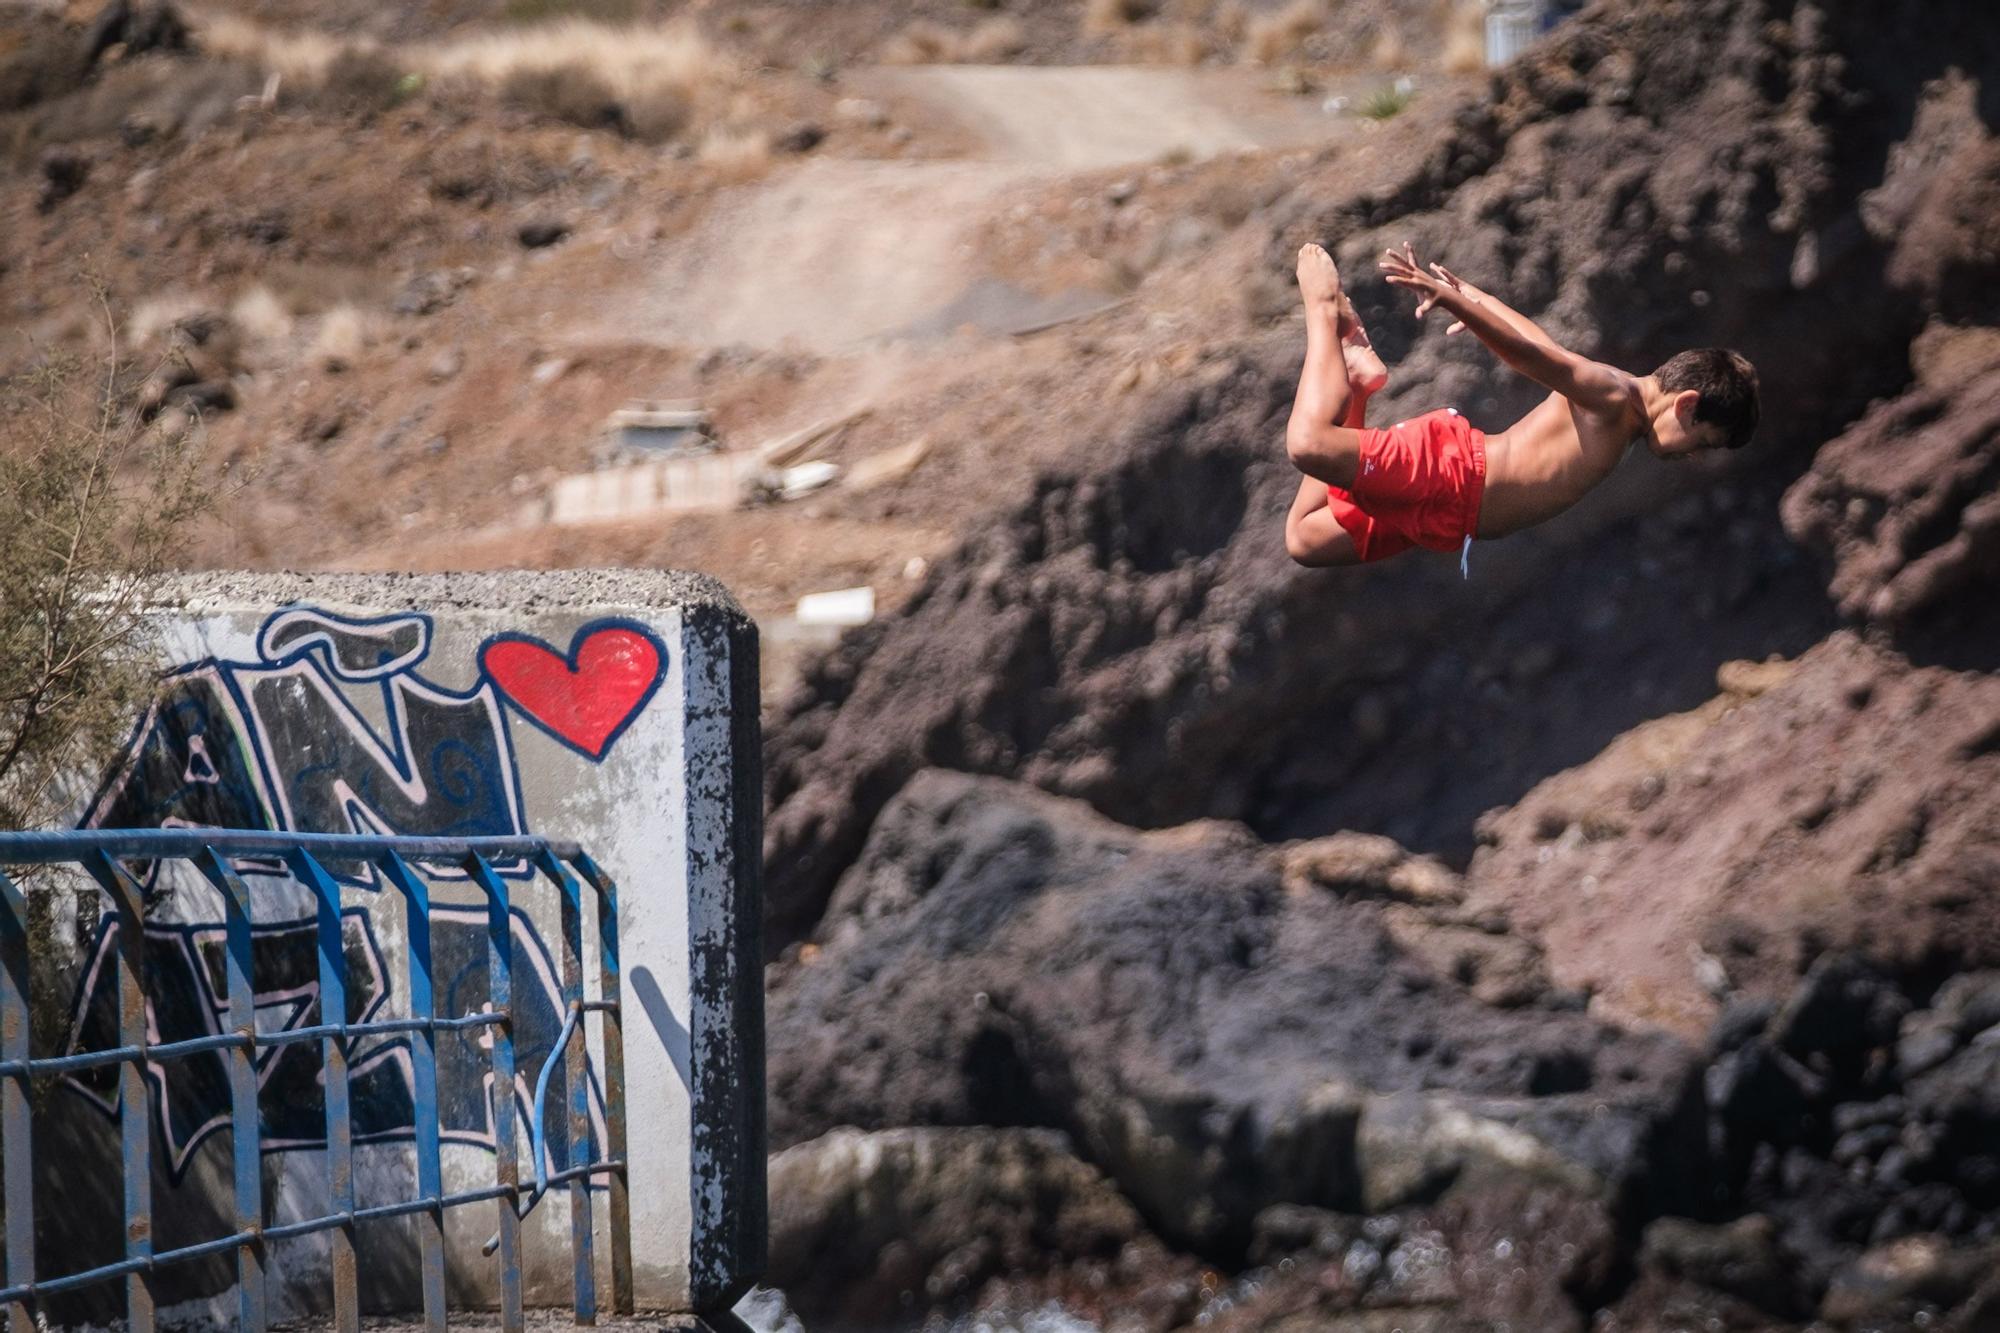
x=1514, y=338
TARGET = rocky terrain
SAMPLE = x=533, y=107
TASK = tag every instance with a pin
x=1606, y=941
x=1164, y=936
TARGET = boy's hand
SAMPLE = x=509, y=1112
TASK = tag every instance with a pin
x=1403, y=270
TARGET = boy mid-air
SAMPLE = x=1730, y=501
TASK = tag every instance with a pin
x=1433, y=480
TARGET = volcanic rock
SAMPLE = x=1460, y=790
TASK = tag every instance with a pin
x=1906, y=503
x=866, y=1226
x=1728, y=828
x=1132, y=634
x=1212, y=1041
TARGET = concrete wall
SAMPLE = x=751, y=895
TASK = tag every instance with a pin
x=616, y=709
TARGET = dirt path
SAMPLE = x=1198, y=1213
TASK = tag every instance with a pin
x=834, y=254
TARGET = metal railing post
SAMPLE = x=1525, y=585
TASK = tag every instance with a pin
x=244, y=1122
x=333, y=1047
x=423, y=1086
x=506, y=1153
x=138, y=1054
x=134, y=1109
x=619, y=1205
x=16, y=1103
x=576, y=1074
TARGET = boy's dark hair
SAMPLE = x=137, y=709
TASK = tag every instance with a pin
x=1727, y=383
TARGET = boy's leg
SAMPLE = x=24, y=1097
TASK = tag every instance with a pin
x=1313, y=536
x=1366, y=375
x=1316, y=442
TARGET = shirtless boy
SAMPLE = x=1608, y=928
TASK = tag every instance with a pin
x=1433, y=480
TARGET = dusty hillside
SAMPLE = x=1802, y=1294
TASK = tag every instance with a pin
x=1603, y=941
x=1713, y=755
x=405, y=261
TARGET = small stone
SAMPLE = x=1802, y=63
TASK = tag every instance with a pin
x=861, y=111
x=802, y=137
x=542, y=232
x=64, y=171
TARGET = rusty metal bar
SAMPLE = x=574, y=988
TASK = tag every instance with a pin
x=506, y=1152
x=423, y=1086
x=134, y=1109
x=246, y=1129
x=16, y=1103
x=619, y=1202
x=212, y=850
x=576, y=1075
x=339, y=1127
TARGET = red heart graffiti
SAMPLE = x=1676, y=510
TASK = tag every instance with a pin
x=584, y=700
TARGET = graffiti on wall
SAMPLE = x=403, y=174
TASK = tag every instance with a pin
x=334, y=728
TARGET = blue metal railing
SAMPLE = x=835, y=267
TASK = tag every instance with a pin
x=305, y=855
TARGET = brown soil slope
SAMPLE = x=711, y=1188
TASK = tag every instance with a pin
x=1134, y=636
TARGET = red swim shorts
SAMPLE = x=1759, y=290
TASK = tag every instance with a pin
x=1420, y=484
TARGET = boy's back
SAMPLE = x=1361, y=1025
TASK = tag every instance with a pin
x=1436, y=481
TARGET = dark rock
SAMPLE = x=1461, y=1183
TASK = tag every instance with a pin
x=64, y=170
x=542, y=232
x=802, y=137
x=428, y=293
x=1741, y=1259
x=1842, y=1010
x=137, y=28
x=869, y=1227
x=1214, y=1043
x=1906, y=504
x=1893, y=1284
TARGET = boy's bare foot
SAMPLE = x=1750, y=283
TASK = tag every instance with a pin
x=1365, y=371
x=1319, y=280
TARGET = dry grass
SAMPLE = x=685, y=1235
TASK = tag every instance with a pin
x=1270, y=38
x=296, y=55
x=654, y=80
x=737, y=154
x=1390, y=50
x=1464, y=38
x=147, y=327
x=995, y=40
x=261, y=316
x=1168, y=44
x=925, y=43
x=921, y=43
x=344, y=333
x=1103, y=17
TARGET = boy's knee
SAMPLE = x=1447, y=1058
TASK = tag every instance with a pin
x=1318, y=452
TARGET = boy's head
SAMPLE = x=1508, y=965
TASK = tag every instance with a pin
x=1712, y=402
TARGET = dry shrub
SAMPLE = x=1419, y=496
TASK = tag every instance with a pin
x=654, y=80
x=921, y=43
x=736, y=154
x=1465, y=38
x=40, y=59
x=148, y=324
x=663, y=76
x=361, y=78
x=1101, y=17
x=261, y=316
x=297, y=55
x=344, y=333
x=1230, y=22
x=1168, y=44
x=994, y=41
x=1390, y=51
x=568, y=93
x=926, y=43
x=96, y=503
x=658, y=115
x=1270, y=38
